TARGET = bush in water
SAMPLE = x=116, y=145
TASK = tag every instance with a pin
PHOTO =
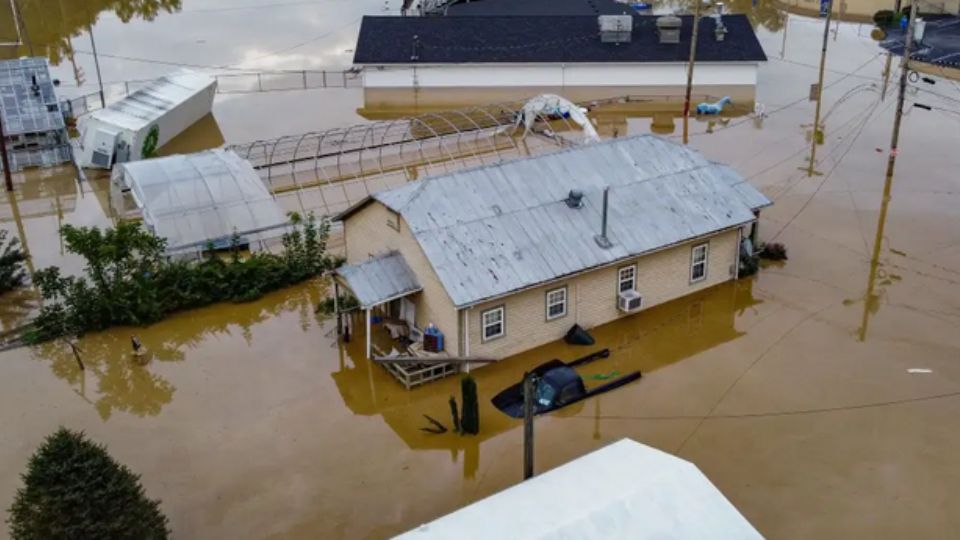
x=129, y=281
x=12, y=258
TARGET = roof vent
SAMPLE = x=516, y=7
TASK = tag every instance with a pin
x=615, y=28
x=668, y=27
x=574, y=199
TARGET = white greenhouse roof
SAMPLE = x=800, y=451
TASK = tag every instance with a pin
x=205, y=197
x=149, y=103
x=626, y=490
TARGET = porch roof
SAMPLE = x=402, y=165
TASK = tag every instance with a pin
x=379, y=279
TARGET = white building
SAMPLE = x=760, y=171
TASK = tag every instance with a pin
x=194, y=200
x=425, y=59
x=626, y=491
x=136, y=127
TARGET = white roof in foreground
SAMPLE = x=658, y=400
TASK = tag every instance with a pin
x=205, y=197
x=149, y=103
x=497, y=229
x=626, y=490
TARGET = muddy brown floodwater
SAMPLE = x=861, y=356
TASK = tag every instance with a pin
x=790, y=390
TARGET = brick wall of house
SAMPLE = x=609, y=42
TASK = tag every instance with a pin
x=592, y=296
x=367, y=233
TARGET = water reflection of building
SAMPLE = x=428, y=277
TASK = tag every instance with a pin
x=648, y=341
x=453, y=61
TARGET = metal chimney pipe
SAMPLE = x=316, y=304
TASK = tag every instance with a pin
x=601, y=238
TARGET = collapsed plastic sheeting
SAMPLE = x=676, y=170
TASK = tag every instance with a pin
x=194, y=200
x=554, y=106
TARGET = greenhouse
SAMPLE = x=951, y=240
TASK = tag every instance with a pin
x=196, y=200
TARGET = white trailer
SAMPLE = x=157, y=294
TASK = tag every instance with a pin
x=144, y=121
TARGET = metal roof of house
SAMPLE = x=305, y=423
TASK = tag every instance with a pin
x=194, y=199
x=500, y=228
x=626, y=490
x=149, y=103
x=543, y=38
x=379, y=279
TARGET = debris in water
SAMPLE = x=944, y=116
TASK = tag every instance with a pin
x=578, y=336
x=773, y=251
x=438, y=429
x=919, y=370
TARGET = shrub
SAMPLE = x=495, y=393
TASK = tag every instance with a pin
x=12, y=258
x=470, y=420
x=129, y=281
x=773, y=252
x=883, y=18
x=74, y=489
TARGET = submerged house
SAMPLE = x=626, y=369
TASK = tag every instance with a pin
x=486, y=53
x=506, y=257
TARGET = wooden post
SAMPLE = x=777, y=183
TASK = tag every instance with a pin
x=7, y=178
x=368, y=332
x=693, y=58
x=816, y=115
x=529, y=384
x=336, y=309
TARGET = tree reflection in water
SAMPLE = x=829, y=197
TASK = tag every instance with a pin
x=122, y=384
x=51, y=23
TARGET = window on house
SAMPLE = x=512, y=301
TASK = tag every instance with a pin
x=556, y=303
x=627, y=278
x=698, y=263
x=493, y=322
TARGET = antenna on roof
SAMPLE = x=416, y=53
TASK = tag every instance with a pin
x=601, y=238
x=415, y=55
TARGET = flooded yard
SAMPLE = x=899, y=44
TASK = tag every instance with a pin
x=790, y=390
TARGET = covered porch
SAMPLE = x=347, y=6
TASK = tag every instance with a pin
x=386, y=291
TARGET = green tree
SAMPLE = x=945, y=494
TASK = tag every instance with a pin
x=12, y=274
x=73, y=489
x=470, y=422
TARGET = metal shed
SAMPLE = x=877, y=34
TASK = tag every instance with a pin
x=194, y=200
x=33, y=124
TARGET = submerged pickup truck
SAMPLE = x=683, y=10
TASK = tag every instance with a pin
x=557, y=385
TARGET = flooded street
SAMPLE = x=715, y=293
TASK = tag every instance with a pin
x=790, y=390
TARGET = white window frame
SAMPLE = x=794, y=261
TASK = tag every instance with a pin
x=632, y=278
x=549, y=304
x=694, y=263
x=484, y=324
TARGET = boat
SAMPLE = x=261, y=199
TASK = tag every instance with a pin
x=558, y=385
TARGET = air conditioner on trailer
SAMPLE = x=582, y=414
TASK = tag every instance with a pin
x=629, y=301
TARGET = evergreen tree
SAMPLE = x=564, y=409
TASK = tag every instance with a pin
x=470, y=423
x=74, y=490
x=12, y=257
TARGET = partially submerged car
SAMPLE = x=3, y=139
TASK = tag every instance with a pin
x=557, y=385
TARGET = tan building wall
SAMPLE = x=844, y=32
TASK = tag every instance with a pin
x=592, y=296
x=367, y=233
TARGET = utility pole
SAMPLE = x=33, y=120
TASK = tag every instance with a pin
x=529, y=384
x=886, y=67
x=7, y=177
x=823, y=63
x=693, y=57
x=904, y=73
x=96, y=62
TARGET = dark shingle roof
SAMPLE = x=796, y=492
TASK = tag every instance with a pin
x=498, y=39
x=486, y=8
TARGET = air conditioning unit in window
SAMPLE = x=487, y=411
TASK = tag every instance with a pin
x=629, y=301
